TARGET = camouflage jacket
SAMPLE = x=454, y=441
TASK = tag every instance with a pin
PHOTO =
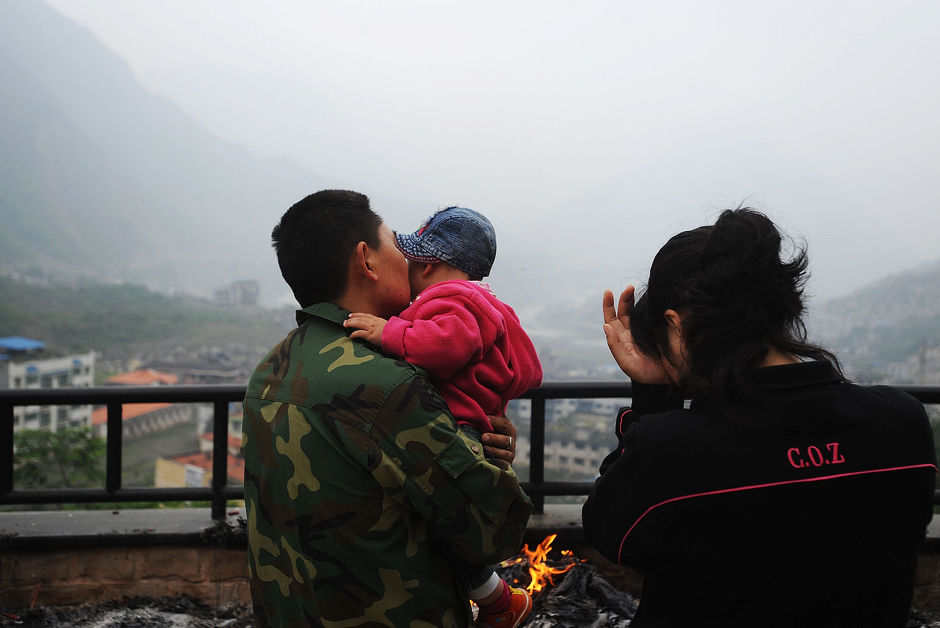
x=359, y=486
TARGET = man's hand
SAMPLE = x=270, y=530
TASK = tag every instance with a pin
x=636, y=364
x=501, y=442
x=368, y=327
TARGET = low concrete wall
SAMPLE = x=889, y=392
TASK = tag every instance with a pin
x=63, y=558
x=214, y=576
x=218, y=577
x=69, y=557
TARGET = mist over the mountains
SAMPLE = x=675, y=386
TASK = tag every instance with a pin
x=105, y=179
x=158, y=143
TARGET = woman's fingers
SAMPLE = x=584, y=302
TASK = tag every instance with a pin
x=607, y=302
x=625, y=304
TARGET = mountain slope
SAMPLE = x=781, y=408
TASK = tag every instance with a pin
x=103, y=176
x=73, y=317
x=888, y=330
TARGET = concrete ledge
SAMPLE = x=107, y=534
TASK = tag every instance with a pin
x=79, y=528
x=47, y=529
x=65, y=557
x=69, y=557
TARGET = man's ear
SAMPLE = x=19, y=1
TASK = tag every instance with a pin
x=361, y=262
x=428, y=269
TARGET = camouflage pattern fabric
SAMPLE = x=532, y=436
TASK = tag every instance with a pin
x=359, y=486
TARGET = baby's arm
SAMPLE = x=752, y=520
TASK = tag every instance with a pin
x=441, y=334
x=368, y=327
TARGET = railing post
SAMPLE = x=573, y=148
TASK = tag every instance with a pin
x=537, y=453
x=219, y=457
x=113, y=445
x=6, y=447
x=220, y=491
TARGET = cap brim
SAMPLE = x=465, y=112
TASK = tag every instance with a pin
x=412, y=248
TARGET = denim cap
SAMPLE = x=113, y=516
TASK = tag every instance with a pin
x=461, y=237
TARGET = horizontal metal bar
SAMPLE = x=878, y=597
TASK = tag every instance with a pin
x=183, y=394
x=142, y=494
x=86, y=495
x=122, y=394
x=924, y=394
x=219, y=395
x=557, y=488
x=580, y=390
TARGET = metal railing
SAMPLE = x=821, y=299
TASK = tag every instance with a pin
x=220, y=492
x=113, y=397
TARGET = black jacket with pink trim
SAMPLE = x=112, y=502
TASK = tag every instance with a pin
x=811, y=515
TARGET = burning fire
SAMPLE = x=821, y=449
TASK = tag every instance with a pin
x=540, y=571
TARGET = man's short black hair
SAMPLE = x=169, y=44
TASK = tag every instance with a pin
x=315, y=238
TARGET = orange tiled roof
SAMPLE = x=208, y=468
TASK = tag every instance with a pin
x=234, y=441
x=203, y=460
x=99, y=416
x=143, y=377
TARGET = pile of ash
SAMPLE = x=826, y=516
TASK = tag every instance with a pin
x=567, y=591
x=578, y=597
x=581, y=597
x=138, y=612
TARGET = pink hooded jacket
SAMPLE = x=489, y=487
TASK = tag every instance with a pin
x=471, y=344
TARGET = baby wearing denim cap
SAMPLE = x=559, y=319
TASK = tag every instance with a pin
x=471, y=344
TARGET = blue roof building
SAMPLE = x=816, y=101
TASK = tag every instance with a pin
x=23, y=365
x=20, y=344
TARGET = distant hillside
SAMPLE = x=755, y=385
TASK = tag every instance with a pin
x=90, y=316
x=889, y=330
x=103, y=178
x=886, y=332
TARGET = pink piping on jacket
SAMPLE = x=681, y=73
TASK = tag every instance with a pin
x=768, y=485
x=620, y=426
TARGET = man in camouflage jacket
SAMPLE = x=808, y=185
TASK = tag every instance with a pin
x=358, y=485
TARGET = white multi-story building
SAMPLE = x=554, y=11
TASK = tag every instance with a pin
x=24, y=366
x=239, y=293
x=573, y=457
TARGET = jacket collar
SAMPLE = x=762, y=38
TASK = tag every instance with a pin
x=786, y=377
x=324, y=310
x=800, y=374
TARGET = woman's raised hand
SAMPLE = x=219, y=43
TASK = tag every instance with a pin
x=637, y=365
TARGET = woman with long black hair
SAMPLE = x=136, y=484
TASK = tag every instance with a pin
x=752, y=484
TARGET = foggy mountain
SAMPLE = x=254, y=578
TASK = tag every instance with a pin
x=106, y=180
x=885, y=332
x=895, y=320
x=103, y=179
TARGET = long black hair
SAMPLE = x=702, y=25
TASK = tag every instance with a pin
x=737, y=298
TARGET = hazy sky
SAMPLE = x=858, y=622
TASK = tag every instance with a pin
x=588, y=131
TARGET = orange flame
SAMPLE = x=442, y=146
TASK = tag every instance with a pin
x=539, y=571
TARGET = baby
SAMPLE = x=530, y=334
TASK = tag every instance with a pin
x=471, y=344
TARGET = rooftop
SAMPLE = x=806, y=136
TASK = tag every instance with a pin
x=99, y=416
x=143, y=377
x=19, y=343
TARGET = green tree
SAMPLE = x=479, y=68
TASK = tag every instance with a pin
x=67, y=458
